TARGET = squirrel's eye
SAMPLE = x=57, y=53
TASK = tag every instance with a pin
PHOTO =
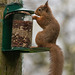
x=39, y=9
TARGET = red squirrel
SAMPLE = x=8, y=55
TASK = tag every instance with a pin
x=48, y=37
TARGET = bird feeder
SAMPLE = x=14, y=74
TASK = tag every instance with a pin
x=17, y=29
x=21, y=30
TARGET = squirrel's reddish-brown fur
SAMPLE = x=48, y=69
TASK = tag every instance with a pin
x=48, y=37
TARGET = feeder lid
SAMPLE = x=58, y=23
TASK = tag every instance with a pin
x=27, y=10
x=13, y=7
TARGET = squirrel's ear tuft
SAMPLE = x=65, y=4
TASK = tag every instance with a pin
x=46, y=4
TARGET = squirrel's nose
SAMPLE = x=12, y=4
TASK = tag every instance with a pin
x=34, y=12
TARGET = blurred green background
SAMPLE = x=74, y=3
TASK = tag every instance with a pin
x=64, y=12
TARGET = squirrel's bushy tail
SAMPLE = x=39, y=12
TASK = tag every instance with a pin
x=57, y=59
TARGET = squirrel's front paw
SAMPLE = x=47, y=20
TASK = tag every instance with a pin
x=34, y=17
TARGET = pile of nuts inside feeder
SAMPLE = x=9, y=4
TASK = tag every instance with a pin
x=21, y=33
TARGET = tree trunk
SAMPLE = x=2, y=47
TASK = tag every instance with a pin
x=10, y=62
